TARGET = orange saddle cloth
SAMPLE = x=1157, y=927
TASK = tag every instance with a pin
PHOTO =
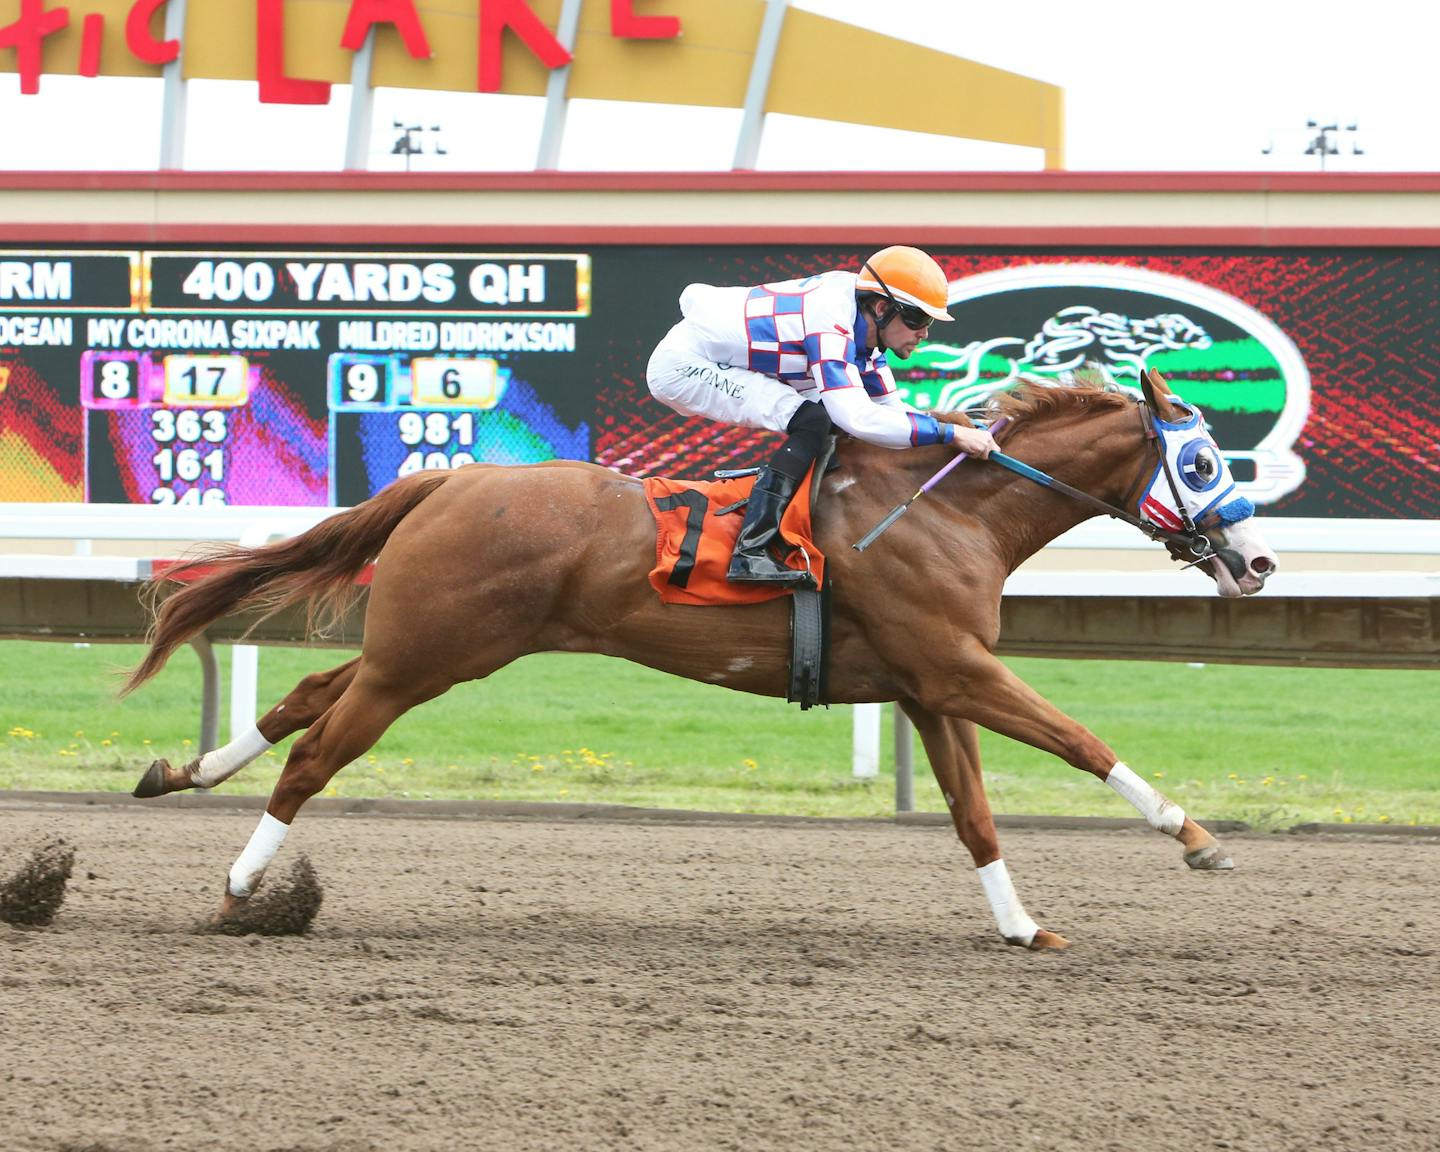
x=693, y=544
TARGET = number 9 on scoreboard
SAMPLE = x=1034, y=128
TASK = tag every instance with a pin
x=455, y=382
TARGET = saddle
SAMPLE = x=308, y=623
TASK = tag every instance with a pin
x=695, y=531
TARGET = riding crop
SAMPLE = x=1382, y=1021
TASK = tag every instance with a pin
x=900, y=509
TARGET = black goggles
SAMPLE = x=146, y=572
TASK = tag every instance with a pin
x=913, y=318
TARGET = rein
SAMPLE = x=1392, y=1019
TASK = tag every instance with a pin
x=1191, y=539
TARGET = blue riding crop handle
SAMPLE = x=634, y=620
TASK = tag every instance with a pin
x=899, y=510
x=1021, y=468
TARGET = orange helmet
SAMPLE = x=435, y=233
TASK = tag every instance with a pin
x=907, y=276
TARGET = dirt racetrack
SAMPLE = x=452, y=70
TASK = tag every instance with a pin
x=576, y=985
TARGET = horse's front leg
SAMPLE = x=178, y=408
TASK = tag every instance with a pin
x=304, y=704
x=954, y=751
x=990, y=694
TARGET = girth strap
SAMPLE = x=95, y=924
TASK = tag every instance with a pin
x=807, y=647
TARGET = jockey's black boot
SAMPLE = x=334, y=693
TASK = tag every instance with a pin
x=752, y=559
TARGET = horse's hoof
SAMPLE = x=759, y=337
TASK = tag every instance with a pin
x=1211, y=858
x=152, y=784
x=1042, y=941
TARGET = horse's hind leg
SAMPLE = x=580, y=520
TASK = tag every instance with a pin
x=349, y=727
x=304, y=704
x=954, y=751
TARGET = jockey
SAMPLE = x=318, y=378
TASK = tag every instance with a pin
x=796, y=356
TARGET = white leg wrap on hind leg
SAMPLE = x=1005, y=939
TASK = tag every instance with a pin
x=1160, y=813
x=247, y=871
x=217, y=766
x=1010, y=914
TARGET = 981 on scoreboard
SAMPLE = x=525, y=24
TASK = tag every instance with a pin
x=392, y=415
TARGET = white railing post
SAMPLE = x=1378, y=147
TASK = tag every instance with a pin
x=904, y=761
x=865, y=745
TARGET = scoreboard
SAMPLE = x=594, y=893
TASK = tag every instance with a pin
x=282, y=378
x=304, y=375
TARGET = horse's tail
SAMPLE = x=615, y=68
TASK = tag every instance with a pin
x=319, y=566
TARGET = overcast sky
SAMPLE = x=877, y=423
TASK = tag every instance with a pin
x=1148, y=86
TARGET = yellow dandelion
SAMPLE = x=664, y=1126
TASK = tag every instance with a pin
x=407, y=761
x=1158, y=775
x=749, y=763
x=114, y=733
x=106, y=743
x=79, y=732
x=1383, y=819
x=186, y=743
x=563, y=792
x=1234, y=776
x=537, y=767
x=1302, y=776
x=147, y=742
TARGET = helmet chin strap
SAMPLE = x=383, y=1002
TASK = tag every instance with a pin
x=880, y=320
x=892, y=309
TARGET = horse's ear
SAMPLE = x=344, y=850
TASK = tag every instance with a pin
x=1157, y=396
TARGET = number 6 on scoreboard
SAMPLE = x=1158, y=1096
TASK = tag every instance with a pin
x=440, y=382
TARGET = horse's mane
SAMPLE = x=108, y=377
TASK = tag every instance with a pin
x=1035, y=399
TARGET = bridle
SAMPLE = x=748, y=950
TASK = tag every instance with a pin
x=1190, y=541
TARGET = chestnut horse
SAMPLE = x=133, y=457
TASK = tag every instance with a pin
x=554, y=557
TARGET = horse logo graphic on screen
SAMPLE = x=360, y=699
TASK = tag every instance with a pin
x=1048, y=320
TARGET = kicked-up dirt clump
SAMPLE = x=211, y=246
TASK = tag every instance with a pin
x=33, y=895
x=283, y=910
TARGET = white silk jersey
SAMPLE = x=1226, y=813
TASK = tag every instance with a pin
x=810, y=335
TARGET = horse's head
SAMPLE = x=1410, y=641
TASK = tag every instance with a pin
x=1192, y=482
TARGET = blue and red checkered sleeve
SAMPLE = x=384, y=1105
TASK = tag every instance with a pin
x=831, y=356
x=879, y=381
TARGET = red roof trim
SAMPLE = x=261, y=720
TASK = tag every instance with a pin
x=368, y=235
x=1327, y=182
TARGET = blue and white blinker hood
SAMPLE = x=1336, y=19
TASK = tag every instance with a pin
x=1203, y=482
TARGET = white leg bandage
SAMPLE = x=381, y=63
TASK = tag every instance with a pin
x=1015, y=923
x=247, y=871
x=1160, y=813
x=217, y=766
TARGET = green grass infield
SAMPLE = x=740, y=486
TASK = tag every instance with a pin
x=1271, y=746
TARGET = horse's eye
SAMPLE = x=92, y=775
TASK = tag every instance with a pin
x=1200, y=465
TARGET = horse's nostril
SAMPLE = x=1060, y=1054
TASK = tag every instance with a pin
x=1262, y=565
